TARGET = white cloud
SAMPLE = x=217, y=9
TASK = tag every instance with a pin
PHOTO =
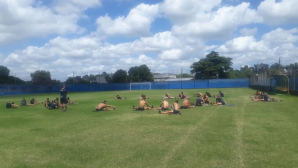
x=247, y=51
x=279, y=12
x=136, y=23
x=180, y=12
x=248, y=32
x=218, y=24
x=28, y=18
x=280, y=36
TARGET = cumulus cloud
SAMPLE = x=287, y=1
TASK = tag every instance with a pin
x=248, y=32
x=27, y=18
x=247, y=50
x=275, y=13
x=281, y=36
x=136, y=23
x=218, y=24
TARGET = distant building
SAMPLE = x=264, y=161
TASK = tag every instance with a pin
x=101, y=79
x=163, y=77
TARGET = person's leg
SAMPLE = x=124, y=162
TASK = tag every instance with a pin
x=166, y=112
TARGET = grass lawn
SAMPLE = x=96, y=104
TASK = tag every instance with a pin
x=249, y=134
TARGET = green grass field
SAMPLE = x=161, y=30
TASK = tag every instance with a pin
x=249, y=134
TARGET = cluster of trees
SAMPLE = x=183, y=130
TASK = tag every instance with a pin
x=215, y=66
x=135, y=74
x=212, y=66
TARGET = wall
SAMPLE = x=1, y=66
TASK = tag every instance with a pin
x=192, y=84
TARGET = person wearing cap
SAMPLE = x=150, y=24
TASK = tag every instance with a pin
x=103, y=106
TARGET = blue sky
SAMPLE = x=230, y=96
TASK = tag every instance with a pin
x=92, y=36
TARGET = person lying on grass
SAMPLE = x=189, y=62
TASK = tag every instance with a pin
x=104, y=106
x=164, y=105
x=187, y=104
x=175, y=111
x=118, y=97
x=167, y=96
x=142, y=104
x=219, y=101
x=11, y=105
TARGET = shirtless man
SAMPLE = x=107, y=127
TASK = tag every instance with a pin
x=167, y=96
x=187, y=104
x=198, y=94
x=142, y=104
x=219, y=101
x=182, y=96
x=103, y=106
x=143, y=97
x=118, y=97
x=164, y=105
x=175, y=111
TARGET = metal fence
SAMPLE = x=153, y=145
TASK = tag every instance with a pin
x=191, y=84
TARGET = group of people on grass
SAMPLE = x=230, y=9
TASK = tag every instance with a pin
x=164, y=106
x=262, y=96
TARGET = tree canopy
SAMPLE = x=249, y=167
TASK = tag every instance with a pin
x=120, y=76
x=140, y=74
x=213, y=66
x=41, y=77
x=4, y=72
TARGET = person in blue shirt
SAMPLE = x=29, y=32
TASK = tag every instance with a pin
x=63, y=98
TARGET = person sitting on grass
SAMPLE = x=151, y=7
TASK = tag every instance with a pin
x=206, y=99
x=167, y=96
x=23, y=102
x=182, y=96
x=71, y=102
x=34, y=102
x=118, y=97
x=187, y=104
x=175, y=111
x=104, y=106
x=11, y=105
x=143, y=97
x=263, y=97
x=219, y=101
x=221, y=94
x=209, y=94
x=200, y=101
x=47, y=102
x=164, y=105
x=142, y=104
x=198, y=94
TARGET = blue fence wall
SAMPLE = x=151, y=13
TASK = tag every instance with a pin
x=192, y=84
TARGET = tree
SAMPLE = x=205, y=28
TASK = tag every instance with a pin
x=107, y=77
x=120, y=76
x=213, y=66
x=140, y=74
x=4, y=72
x=41, y=77
x=258, y=68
